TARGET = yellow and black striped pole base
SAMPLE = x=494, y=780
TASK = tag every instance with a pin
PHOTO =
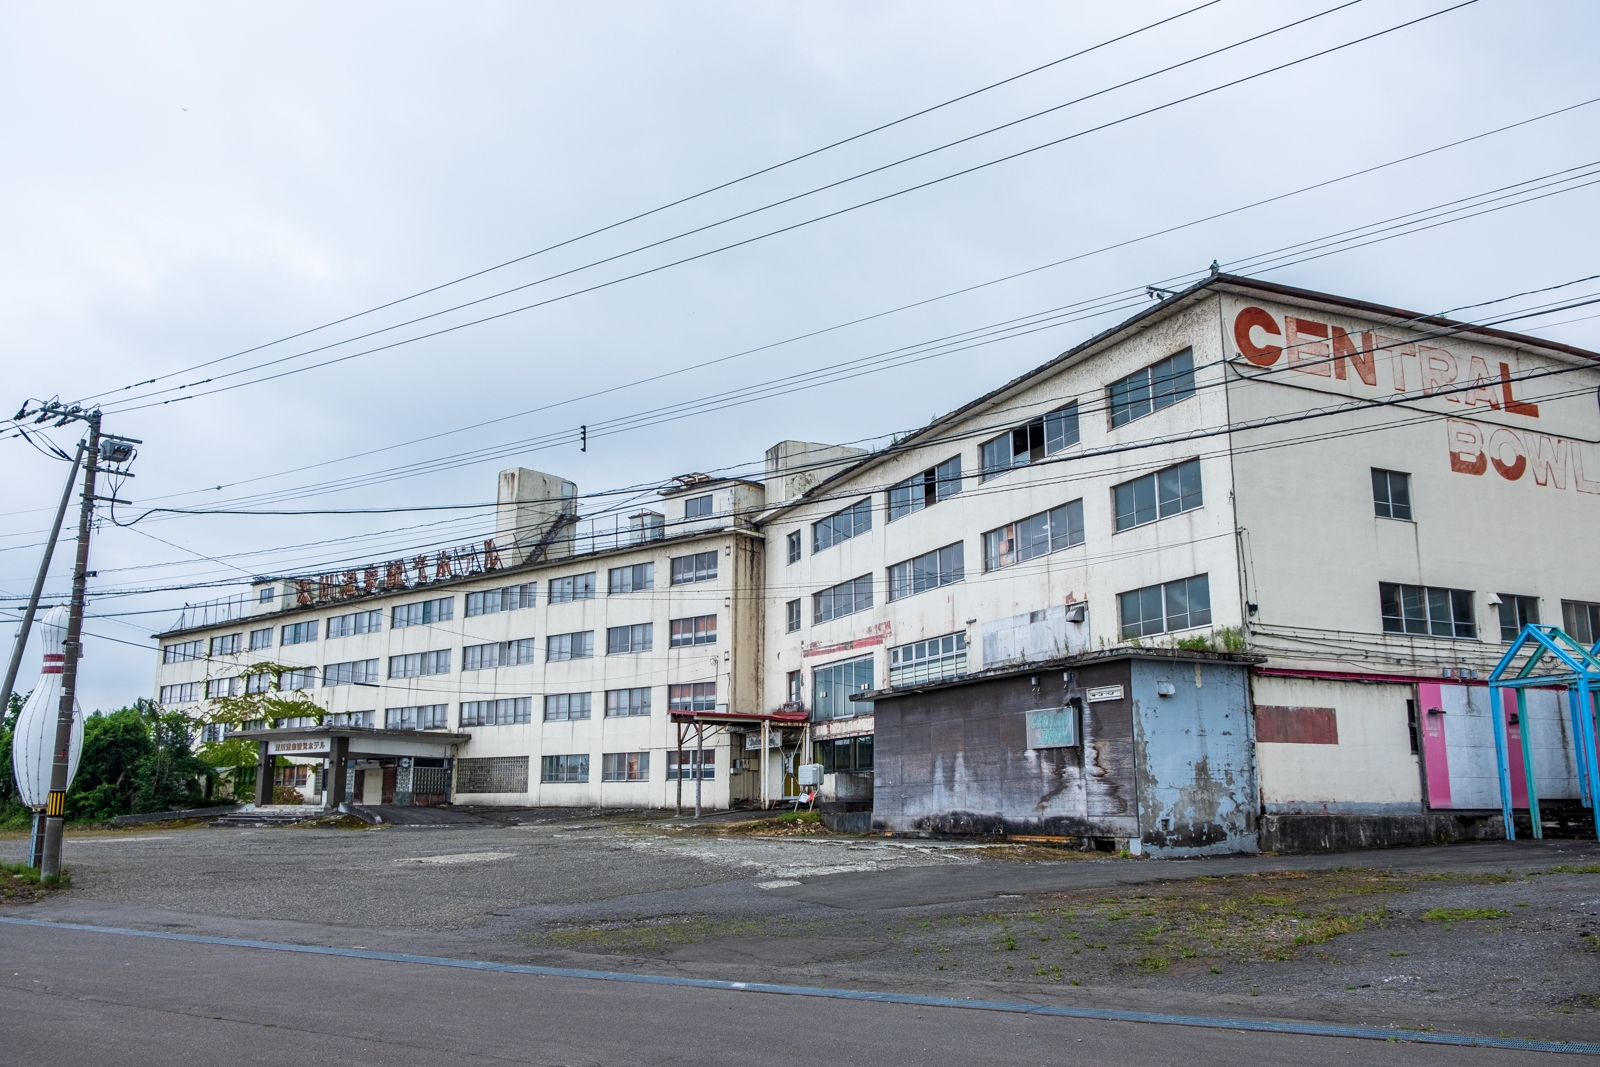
x=57, y=804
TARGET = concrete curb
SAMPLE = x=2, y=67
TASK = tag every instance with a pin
x=172, y=816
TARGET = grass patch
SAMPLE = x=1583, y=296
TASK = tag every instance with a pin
x=22, y=884
x=1461, y=915
x=1567, y=868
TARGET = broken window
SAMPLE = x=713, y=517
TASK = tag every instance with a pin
x=573, y=587
x=695, y=696
x=1157, y=386
x=1581, y=620
x=842, y=525
x=624, y=639
x=1036, y=535
x=1031, y=442
x=1158, y=609
x=627, y=703
x=926, y=489
x=573, y=768
x=931, y=570
x=794, y=546
x=832, y=686
x=700, y=567
x=1420, y=609
x=632, y=579
x=791, y=616
x=565, y=707
x=570, y=646
x=1156, y=496
x=700, y=630
x=1515, y=613
x=625, y=766
x=843, y=599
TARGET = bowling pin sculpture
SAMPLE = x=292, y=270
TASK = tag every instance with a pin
x=33, y=743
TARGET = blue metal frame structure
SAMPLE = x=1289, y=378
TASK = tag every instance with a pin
x=1575, y=668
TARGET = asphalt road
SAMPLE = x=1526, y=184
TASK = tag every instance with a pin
x=73, y=999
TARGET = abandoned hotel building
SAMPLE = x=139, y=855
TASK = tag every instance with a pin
x=1227, y=576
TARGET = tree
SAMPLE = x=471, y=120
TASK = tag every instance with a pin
x=136, y=759
x=261, y=703
x=12, y=814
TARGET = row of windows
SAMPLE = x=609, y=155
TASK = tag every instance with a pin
x=700, y=567
x=625, y=767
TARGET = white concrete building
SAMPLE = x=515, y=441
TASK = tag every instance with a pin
x=1358, y=503
x=1366, y=497
x=560, y=662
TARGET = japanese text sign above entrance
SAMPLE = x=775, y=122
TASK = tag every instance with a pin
x=301, y=746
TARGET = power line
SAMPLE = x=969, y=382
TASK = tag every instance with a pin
x=132, y=405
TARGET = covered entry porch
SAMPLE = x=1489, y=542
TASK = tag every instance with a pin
x=361, y=766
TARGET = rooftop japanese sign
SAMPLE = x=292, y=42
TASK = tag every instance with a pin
x=405, y=573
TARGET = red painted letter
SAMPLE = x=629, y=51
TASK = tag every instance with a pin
x=1260, y=355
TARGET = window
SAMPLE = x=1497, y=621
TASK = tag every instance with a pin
x=625, y=766
x=928, y=661
x=228, y=645
x=507, y=711
x=570, y=646
x=700, y=567
x=497, y=654
x=573, y=587
x=926, y=489
x=791, y=616
x=1155, y=496
x=1037, y=535
x=222, y=687
x=187, y=650
x=298, y=633
x=1031, y=442
x=700, y=630
x=842, y=525
x=1419, y=609
x=1158, y=386
x=1158, y=609
x=267, y=595
x=362, y=622
x=258, y=683
x=555, y=769
x=627, y=703
x=795, y=687
x=363, y=720
x=622, y=639
x=563, y=707
x=793, y=543
x=304, y=678
x=843, y=599
x=844, y=754
x=418, y=664
x=492, y=774
x=1391, y=494
x=696, y=696
x=423, y=613
x=632, y=579
x=1515, y=613
x=508, y=598
x=182, y=693
x=832, y=685
x=1581, y=621
x=697, y=507
x=356, y=672
x=703, y=760
x=942, y=566
x=417, y=717
x=260, y=639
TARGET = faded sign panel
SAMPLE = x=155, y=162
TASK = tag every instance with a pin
x=1284, y=725
x=1053, y=728
x=1035, y=636
x=1459, y=735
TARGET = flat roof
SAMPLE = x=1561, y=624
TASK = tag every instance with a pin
x=1110, y=655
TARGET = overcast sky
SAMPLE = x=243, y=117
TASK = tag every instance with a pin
x=185, y=182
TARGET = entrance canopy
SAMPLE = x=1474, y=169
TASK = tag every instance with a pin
x=340, y=745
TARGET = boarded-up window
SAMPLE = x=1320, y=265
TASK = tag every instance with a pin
x=494, y=774
x=1297, y=726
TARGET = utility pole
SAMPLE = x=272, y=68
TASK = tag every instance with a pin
x=56, y=807
x=38, y=586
